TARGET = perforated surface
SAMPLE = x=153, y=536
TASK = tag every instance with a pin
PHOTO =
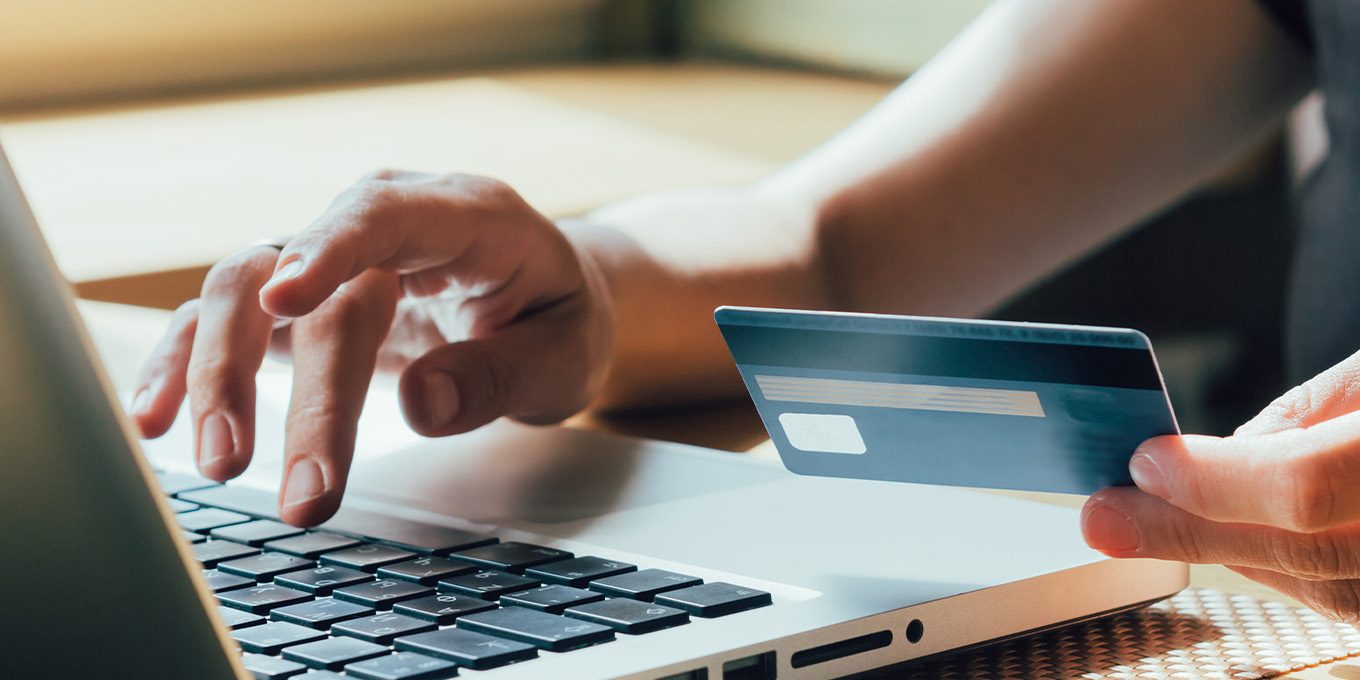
x=1199, y=633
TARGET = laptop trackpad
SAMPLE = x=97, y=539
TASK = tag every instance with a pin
x=502, y=474
x=507, y=474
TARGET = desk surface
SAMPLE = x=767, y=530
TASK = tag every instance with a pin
x=124, y=336
x=164, y=186
x=155, y=189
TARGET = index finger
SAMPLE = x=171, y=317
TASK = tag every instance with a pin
x=400, y=223
x=1298, y=479
x=1331, y=393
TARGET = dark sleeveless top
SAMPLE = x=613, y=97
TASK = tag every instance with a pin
x=1323, y=319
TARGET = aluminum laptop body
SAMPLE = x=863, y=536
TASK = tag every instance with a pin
x=99, y=581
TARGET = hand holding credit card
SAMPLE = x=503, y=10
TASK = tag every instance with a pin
x=1003, y=405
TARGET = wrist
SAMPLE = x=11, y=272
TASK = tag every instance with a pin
x=587, y=240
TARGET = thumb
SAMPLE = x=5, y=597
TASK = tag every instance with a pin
x=536, y=370
x=1331, y=393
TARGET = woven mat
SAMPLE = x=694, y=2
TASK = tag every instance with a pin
x=1199, y=633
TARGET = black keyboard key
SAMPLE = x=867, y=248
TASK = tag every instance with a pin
x=488, y=585
x=427, y=539
x=512, y=556
x=256, y=533
x=715, y=599
x=382, y=593
x=260, y=599
x=466, y=648
x=219, y=581
x=192, y=537
x=235, y=618
x=271, y=667
x=177, y=506
x=629, y=616
x=443, y=608
x=645, y=584
x=367, y=557
x=545, y=631
x=210, y=553
x=333, y=654
x=415, y=536
x=320, y=614
x=403, y=666
x=238, y=498
x=175, y=482
x=552, y=599
x=381, y=628
x=322, y=580
x=427, y=570
x=274, y=636
x=264, y=566
x=578, y=571
x=208, y=519
x=311, y=545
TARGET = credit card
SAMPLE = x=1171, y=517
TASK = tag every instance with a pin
x=993, y=404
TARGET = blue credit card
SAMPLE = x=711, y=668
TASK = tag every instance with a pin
x=1002, y=405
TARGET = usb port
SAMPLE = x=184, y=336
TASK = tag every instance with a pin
x=758, y=667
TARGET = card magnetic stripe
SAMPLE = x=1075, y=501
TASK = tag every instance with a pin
x=940, y=356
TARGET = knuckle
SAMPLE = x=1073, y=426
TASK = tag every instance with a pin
x=183, y=321
x=359, y=302
x=1310, y=556
x=231, y=274
x=484, y=189
x=313, y=410
x=373, y=195
x=1336, y=599
x=187, y=311
x=1294, y=405
x=1306, y=485
x=381, y=175
x=346, y=302
x=218, y=380
x=1185, y=542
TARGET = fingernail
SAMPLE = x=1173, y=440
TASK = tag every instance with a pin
x=305, y=482
x=1109, y=531
x=214, y=440
x=140, y=401
x=441, y=399
x=1147, y=474
x=289, y=270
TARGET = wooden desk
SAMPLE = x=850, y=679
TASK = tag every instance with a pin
x=124, y=336
x=138, y=201
x=162, y=189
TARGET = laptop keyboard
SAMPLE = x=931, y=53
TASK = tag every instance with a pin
x=380, y=599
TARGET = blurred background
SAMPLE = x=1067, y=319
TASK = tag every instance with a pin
x=155, y=136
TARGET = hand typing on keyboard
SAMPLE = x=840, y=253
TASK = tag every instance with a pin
x=480, y=303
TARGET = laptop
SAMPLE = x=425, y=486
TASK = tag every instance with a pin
x=511, y=552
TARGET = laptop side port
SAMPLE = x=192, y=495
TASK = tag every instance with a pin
x=758, y=667
x=842, y=649
x=696, y=674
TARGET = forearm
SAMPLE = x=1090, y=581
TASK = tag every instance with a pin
x=1078, y=119
x=1045, y=130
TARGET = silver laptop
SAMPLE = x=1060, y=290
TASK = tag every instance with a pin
x=511, y=552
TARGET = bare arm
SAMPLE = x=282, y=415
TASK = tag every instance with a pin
x=1045, y=129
